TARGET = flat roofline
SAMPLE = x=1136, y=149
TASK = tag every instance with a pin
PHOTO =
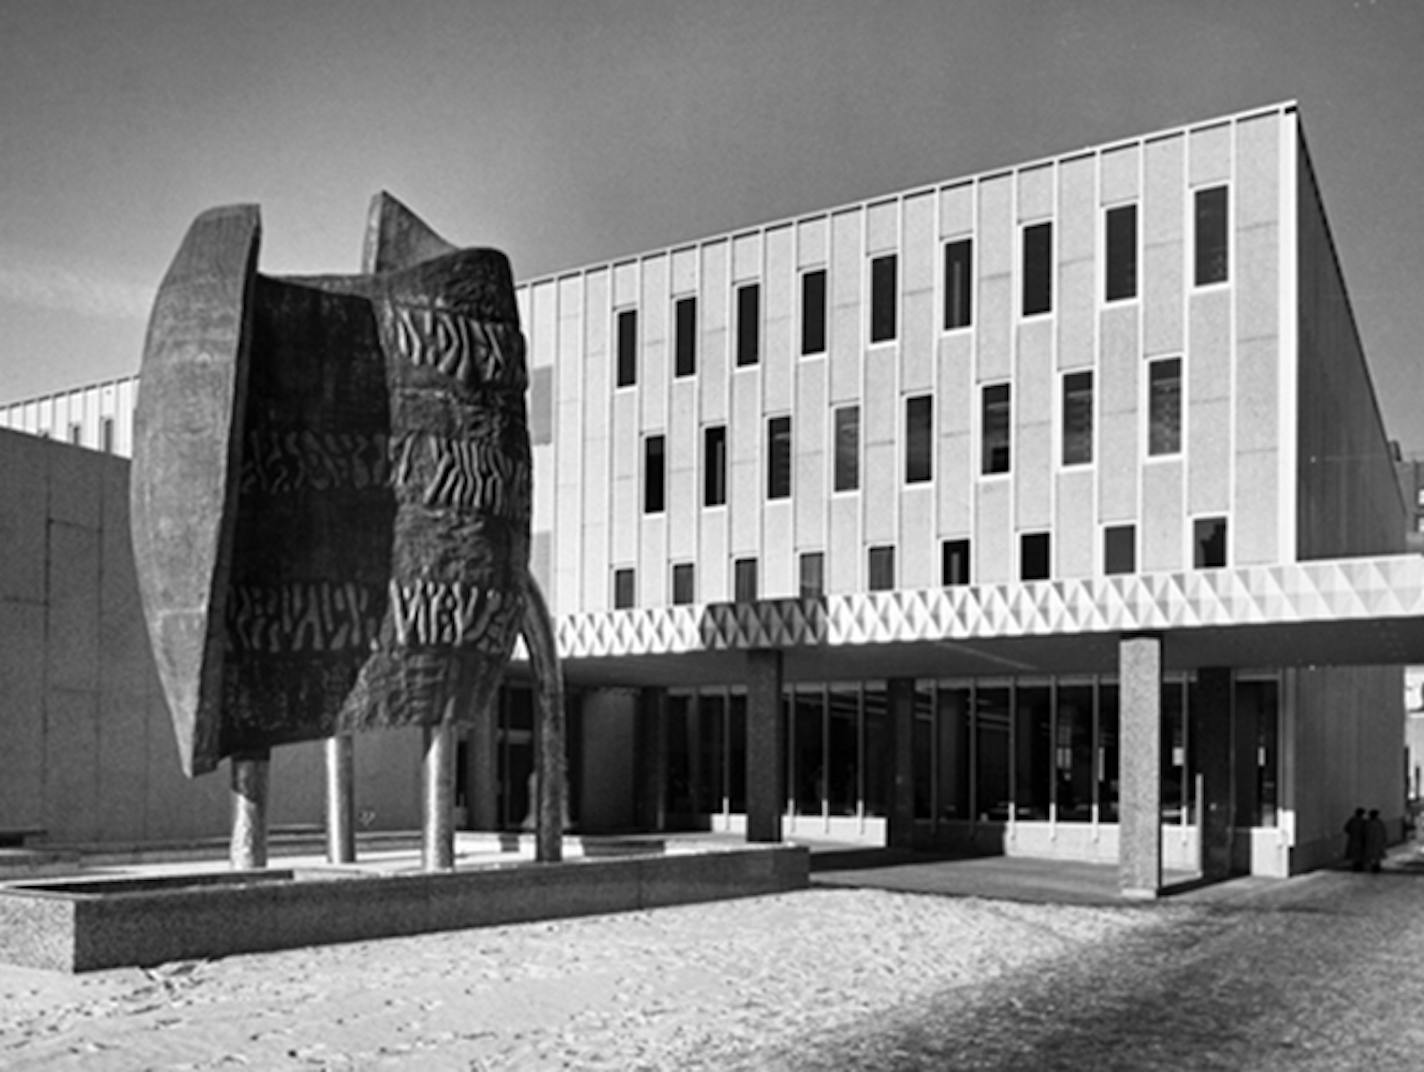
x=1284, y=107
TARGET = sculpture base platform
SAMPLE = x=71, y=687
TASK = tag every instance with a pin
x=79, y=925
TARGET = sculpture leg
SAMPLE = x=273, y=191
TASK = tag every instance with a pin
x=248, y=848
x=552, y=806
x=340, y=800
x=438, y=818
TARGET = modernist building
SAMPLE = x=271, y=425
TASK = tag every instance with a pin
x=1047, y=510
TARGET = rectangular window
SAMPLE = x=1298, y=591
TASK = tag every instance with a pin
x=744, y=580
x=919, y=438
x=627, y=347
x=1120, y=549
x=1209, y=542
x=1121, y=279
x=995, y=431
x=1077, y=418
x=106, y=435
x=778, y=458
x=748, y=324
x=622, y=589
x=882, y=569
x=1211, y=245
x=1164, y=406
x=813, y=574
x=882, y=298
x=847, y=448
x=686, y=337
x=813, y=312
x=958, y=284
x=654, y=474
x=1033, y=556
x=954, y=562
x=714, y=465
x=1037, y=268
x=682, y=584
x=76, y=433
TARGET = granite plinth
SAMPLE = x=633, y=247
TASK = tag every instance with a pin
x=87, y=925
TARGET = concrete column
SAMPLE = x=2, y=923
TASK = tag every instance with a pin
x=248, y=848
x=438, y=799
x=1140, y=765
x=1209, y=734
x=340, y=799
x=765, y=763
x=482, y=765
x=900, y=697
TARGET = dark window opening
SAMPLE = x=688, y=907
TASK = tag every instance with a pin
x=954, y=562
x=958, y=284
x=813, y=312
x=744, y=580
x=1037, y=268
x=1033, y=556
x=1120, y=549
x=813, y=574
x=919, y=438
x=622, y=589
x=714, y=465
x=1211, y=241
x=995, y=446
x=627, y=347
x=882, y=298
x=654, y=474
x=686, y=337
x=778, y=458
x=882, y=569
x=1122, y=253
x=1209, y=542
x=1164, y=406
x=682, y=583
x=1077, y=418
x=748, y=324
x=847, y=447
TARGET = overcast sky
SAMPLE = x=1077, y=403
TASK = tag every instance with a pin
x=573, y=132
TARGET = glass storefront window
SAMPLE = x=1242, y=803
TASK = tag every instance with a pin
x=1176, y=785
x=1073, y=753
x=737, y=752
x=991, y=749
x=1257, y=717
x=843, y=752
x=874, y=748
x=809, y=768
x=954, y=755
x=711, y=765
x=922, y=743
x=1107, y=771
x=1033, y=750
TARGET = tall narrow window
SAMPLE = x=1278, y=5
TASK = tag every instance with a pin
x=1119, y=549
x=1037, y=268
x=1121, y=279
x=778, y=458
x=958, y=289
x=1211, y=245
x=1164, y=406
x=1033, y=556
x=1077, y=418
x=682, y=583
x=882, y=569
x=76, y=433
x=627, y=347
x=1209, y=542
x=995, y=447
x=813, y=312
x=919, y=440
x=813, y=574
x=882, y=298
x=748, y=324
x=686, y=340
x=744, y=580
x=106, y=435
x=714, y=465
x=654, y=474
x=622, y=589
x=847, y=448
x=954, y=562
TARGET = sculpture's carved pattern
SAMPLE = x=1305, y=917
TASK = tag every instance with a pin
x=277, y=463
x=475, y=353
x=316, y=616
x=429, y=614
x=477, y=475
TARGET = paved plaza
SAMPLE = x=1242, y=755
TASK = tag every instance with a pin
x=1317, y=972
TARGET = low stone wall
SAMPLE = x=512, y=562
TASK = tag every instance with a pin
x=85, y=925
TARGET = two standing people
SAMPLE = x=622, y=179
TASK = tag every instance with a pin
x=1365, y=840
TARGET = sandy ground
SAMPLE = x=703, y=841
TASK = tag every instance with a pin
x=1321, y=972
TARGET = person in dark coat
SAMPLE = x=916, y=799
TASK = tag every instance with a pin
x=1375, y=838
x=1355, y=840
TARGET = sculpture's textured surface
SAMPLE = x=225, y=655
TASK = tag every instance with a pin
x=331, y=487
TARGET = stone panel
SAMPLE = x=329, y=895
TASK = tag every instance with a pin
x=24, y=513
x=778, y=365
x=1162, y=528
x=993, y=550
x=1118, y=180
x=776, y=573
x=22, y=683
x=882, y=227
x=884, y=475
x=72, y=633
x=71, y=761
x=956, y=210
x=843, y=285
x=1035, y=192
x=1254, y=532
x=1208, y=428
x=917, y=557
x=1258, y=295
x=1208, y=360
x=1075, y=527
x=812, y=238
x=1258, y=170
x=1209, y=160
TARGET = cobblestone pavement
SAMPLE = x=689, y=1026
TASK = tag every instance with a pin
x=1320, y=972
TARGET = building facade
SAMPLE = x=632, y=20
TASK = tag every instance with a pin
x=1047, y=510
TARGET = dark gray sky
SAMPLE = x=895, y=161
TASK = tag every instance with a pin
x=572, y=132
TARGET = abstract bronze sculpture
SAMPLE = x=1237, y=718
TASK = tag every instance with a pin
x=331, y=496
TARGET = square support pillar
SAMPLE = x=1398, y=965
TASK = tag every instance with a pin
x=1210, y=736
x=900, y=695
x=652, y=766
x=765, y=763
x=1140, y=765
